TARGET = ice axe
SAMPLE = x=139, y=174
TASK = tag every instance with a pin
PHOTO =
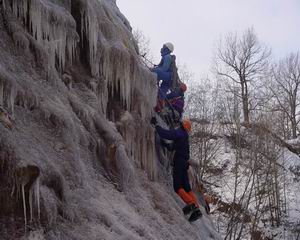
x=147, y=60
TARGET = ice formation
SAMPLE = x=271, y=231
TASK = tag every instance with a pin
x=81, y=101
x=51, y=25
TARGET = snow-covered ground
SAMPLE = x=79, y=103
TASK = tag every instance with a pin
x=223, y=187
x=291, y=162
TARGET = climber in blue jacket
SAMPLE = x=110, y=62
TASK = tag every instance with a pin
x=164, y=70
x=181, y=185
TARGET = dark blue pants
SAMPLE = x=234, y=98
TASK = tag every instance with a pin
x=180, y=175
x=166, y=82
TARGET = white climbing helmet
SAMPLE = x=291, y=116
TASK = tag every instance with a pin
x=170, y=46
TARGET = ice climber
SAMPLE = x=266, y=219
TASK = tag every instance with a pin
x=181, y=184
x=175, y=101
x=164, y=73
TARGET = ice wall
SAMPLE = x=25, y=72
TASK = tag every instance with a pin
x=79, y=158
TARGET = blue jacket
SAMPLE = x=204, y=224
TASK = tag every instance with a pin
x=181, y=141
x=166, y=60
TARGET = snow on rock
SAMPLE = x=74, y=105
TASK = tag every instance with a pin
x=78, y=160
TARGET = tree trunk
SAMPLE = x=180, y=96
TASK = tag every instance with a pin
x=245, y=101
x=294, y=125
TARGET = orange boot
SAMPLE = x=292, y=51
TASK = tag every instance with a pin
x=191, y=203
x=193, y=196
x=185, y=196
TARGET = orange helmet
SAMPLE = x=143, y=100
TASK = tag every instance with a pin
x=183, y=87
x=187, y=125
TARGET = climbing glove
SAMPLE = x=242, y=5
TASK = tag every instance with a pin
x=153, y=121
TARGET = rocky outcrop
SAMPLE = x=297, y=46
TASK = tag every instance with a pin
x=75, y=144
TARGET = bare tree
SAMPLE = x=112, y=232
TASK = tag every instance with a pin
x=143, y=43
x=285, y=87
x=205, y=141
x=185, y=74
x=242, y=60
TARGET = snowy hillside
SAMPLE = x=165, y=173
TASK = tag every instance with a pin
x=77, y=152
x=240, y=173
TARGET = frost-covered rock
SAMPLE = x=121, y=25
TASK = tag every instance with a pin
x=78, y=157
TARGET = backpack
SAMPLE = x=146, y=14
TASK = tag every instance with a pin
x=176, y=82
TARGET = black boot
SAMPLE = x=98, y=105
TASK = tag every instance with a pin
x=195, y=215
x=189, y=208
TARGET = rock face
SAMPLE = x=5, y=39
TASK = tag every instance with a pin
x=77, y=155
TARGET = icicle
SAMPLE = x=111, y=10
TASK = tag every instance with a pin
x=36, y=20
x=15, y=7
x=37, y=196
x=82, y=27
x=24, y=203
x=90, y=28
x=1, y=93
x=46, y=24
x=34, y=198
x=12, y=96
x=19, y=190
x=71, y=49
x=25, y=10
x=30, y=204
x=12, y=191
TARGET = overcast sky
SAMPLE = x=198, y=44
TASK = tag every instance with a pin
x=194, y=26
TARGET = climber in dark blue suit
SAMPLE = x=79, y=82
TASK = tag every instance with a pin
x=181, y=185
